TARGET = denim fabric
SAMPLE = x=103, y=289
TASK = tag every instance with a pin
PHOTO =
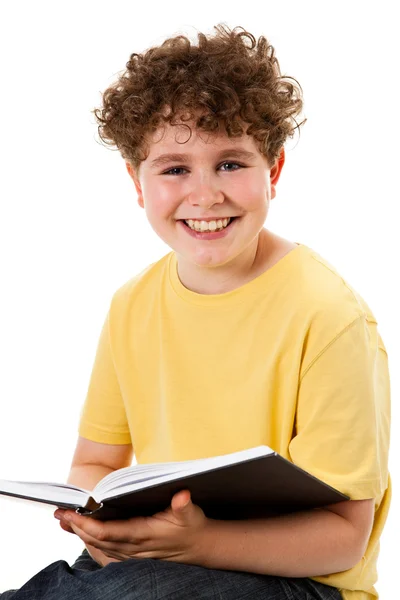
x=149, y=579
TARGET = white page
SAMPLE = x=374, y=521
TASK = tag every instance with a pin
x=40, y=491
x=104, y=491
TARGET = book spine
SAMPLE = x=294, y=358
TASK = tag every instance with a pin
x=90, y=507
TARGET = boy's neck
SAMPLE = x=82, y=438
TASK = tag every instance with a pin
x=266, y=251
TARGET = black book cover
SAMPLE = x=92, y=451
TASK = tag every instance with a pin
x=257, y=487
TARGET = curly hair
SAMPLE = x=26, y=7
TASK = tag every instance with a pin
x=225, y=80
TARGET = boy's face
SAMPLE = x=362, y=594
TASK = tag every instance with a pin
x=210, y=182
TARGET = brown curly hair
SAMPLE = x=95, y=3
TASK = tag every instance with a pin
x=225, y=80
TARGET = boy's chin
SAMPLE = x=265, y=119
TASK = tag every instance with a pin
x=208, y=259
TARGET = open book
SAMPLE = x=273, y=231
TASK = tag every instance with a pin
x=251, y=483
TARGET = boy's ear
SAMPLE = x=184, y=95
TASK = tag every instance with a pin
x=276, y=170
x=135, y=179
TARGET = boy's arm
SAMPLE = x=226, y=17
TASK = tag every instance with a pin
x=92, y=461
x=305, y=544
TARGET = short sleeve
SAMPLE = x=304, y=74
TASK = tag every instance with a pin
x=343, y=414
x=103, y=416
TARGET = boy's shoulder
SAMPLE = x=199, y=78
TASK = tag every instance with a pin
x=326, y=291
x=145, y=279
x=326, y=305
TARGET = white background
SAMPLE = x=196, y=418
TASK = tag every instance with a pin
x=71, y=231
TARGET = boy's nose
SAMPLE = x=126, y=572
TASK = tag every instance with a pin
x=205, y=196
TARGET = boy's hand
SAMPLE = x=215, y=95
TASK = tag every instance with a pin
x=96, y=554
x=175, y=534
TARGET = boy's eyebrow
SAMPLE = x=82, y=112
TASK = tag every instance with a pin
x=232, y=153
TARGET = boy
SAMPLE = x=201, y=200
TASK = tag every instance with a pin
x=235, y=338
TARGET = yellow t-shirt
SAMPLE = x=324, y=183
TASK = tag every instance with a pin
x=292, y=359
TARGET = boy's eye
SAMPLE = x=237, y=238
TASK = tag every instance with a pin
x=170, y=171
x=231, y=163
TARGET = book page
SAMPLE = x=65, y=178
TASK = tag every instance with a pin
x=52, y=492
x=132, y=477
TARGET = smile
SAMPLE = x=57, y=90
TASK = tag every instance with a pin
x=207, y=225
x=209, y=234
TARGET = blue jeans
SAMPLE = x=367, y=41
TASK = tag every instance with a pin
x=150, y=579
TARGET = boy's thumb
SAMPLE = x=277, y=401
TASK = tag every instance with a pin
x=181, y=500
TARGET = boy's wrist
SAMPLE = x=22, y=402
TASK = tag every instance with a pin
x=205, y=551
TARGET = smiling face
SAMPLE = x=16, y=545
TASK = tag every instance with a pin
x=215, y=177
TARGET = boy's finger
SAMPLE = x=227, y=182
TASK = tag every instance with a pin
x=66, y=527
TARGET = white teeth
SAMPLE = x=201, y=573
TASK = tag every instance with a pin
x=208, y=225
